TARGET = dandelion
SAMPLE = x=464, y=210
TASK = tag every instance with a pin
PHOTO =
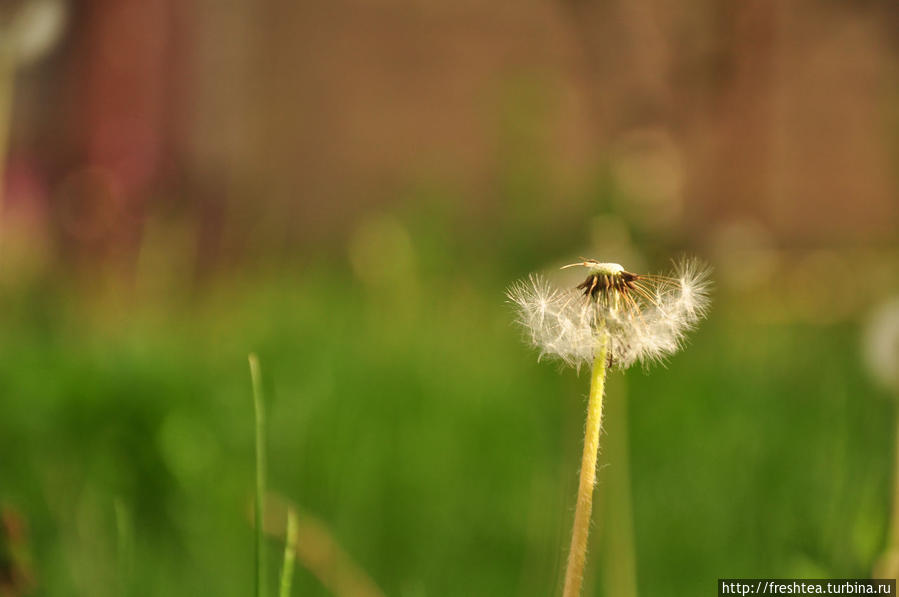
x=645, y=317
x=613, y=319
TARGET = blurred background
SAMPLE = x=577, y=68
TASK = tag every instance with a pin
x=347, y=188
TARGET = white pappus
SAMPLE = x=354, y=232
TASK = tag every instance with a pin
x=645, y=316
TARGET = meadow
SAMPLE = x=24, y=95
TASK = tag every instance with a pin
x=407, y=419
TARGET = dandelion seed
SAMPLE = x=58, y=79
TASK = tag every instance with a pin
x=646, y=316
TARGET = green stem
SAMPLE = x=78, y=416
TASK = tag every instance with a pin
x=577, y=554
x=290, y=550
x=260, y=474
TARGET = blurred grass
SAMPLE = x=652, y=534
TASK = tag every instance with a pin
x=412, y=420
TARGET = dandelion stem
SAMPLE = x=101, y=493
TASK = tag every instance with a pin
x=577, y=555
x=259, y=506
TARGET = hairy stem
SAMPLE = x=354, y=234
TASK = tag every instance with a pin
x=577, y=554
x=259, y=409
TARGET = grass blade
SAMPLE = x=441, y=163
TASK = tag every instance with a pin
x=290, y=550
x=259, y=408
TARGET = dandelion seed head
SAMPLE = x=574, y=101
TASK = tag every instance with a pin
x=646, y=317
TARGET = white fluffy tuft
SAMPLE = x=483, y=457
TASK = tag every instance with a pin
x=563, y=324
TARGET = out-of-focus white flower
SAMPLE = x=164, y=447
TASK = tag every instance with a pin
x=645, y=316
x=881, y=345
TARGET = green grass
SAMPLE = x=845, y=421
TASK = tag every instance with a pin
x=259, y=498
x=290, y=550
x=414, y=422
